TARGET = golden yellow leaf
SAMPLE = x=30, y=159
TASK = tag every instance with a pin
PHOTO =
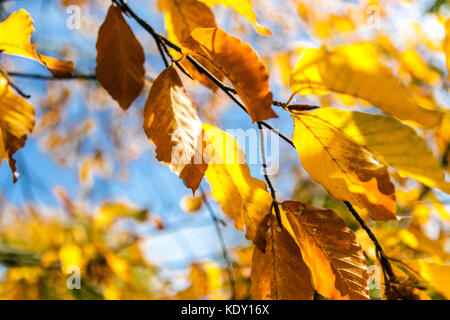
x=16, y=122
x=172, y=124
x=244, y=8
x=237, y=60
x=280, y=273
x=184, y=16
x=120, y=59
x=71, y=255
x=15, y=39
x=111, y=211
x=329, y=249
x=242, y=197
x=356, y=70
x=347, y=170
x=435, y=274
x=393, y=142
x=191, y=204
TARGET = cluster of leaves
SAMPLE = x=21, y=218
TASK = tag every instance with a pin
x=362, y=159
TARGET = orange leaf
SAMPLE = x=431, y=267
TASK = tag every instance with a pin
x=171, y=122
x=120, y=59
x=241, y=65
x=329, y=249
x=280, y=273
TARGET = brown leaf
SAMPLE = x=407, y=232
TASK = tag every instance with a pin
x=240, y=64
x=120, y=59
x=171, y=122
x=280, y=273
x=329, y=249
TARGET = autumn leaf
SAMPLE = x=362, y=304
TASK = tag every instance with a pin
x=15, y=39
x=120, y=59
x=242, y=197
x=435, y=274
x=172, y=124
x=111, y=211
x=244, y=8
x=329, y=249
x=184, y=16
x=356, y=70
x=393, y=142
x=16, y=122
x=280, y=273
x=347, y=170
x=237, y=60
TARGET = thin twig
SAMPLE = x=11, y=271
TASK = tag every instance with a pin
x=15, y=87
x=222, y=244
x=266, y=176
x=380, y=252
x=45, y=77
x=231, y=94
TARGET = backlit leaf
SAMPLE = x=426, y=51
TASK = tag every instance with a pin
x=184, y=16
x=436, y=275
x=120, y=59
x=241, y=65
x=347, y=170
x=172, y=124
x=329, y=249
x=395, y=143
x=280, y=273
x=16, y=122
x=15, y=39
x=356, y=70
x=242, y=197
x=244, y=8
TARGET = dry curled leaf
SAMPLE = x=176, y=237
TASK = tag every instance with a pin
x=120, y=59
x=329, y=249
x=172, y=124
x=239, y=63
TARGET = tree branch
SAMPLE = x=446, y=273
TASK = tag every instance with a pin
x=231, y=94
x=222, y=244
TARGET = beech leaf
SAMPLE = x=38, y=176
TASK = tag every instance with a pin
x=120, y=59
x=239, y=63
x=329, y=249
x=172, y=124
x=280, y=273
x=355, y=70
x=347, y=170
